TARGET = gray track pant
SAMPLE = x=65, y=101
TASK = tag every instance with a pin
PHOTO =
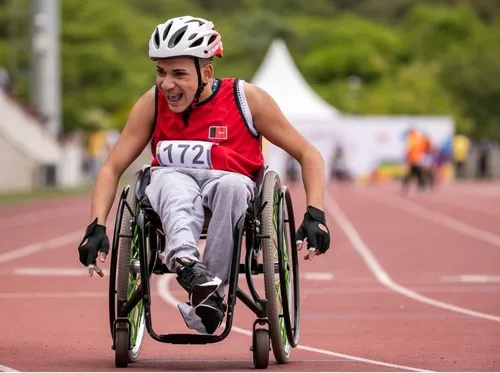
x=178, y=197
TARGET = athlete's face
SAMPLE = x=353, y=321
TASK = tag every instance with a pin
x=178, y=81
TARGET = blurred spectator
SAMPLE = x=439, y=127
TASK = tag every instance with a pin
x=292, y=169
x=483, y=160
x=461, y=145
x=100, y=139
x=339, y=166
x=415, y=151
x=5, y=83
x=428, y=161
x=443, y=157
x=112, y=137
x=97, y=150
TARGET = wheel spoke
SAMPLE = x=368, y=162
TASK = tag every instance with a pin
x=136, y=314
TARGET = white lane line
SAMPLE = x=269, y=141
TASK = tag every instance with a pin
x=310, y=276
x=39, y=216
x=4, y=368
x=380, y=274
x=33, y=295
x=219, y=362
x=78, y=272
x=475, y=279
x=40, y=246
x=463, y=205
x=437, y=218
x=445, y=289
x=165, y=294
x=55, y=271
x=321, y=276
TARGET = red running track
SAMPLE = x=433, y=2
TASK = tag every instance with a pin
x=396, y=302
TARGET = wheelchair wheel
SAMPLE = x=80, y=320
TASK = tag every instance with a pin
x=128, y=340
x=121, y=347
x=280, y=257
x=289, y=267
x=260, y=348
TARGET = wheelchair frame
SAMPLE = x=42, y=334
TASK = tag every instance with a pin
x=151, y=236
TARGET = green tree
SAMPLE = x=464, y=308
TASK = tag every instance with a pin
x=471, y=76
x=412, y=56
x=349, y=46
x=434, y=30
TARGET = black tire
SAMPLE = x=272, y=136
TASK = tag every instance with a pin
x=260, y=348
x=128, y=281
x=271, y=189
x=289, y=268
x=121, y=347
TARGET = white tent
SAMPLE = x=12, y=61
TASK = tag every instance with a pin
x=279, y=76
x=315, y=118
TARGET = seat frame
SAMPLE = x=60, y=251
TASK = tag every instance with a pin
x=151, y=235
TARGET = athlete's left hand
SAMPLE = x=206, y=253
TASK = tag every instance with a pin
x=313, y=233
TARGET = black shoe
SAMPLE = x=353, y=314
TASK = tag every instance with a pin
x=212, y=313
x=197, y=280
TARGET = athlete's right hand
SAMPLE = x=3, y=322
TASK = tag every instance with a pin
x=95, y=241
x=313, y=233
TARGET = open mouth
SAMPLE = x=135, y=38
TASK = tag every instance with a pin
x=174, y=97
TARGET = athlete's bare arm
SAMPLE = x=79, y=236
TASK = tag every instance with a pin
x=133, y=140
x=275, y=127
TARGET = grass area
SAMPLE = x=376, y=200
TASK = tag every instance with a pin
x=7, y=198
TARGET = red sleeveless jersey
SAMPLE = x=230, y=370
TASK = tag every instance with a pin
x=219, y=119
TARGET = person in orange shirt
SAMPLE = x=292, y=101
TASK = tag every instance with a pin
x=416, y=148
x=429, y=162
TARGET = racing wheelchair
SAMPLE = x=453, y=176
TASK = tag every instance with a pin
x=267, y=228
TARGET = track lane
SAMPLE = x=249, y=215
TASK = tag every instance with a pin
x=90, y=303
x=393, y=240
x=353, y=312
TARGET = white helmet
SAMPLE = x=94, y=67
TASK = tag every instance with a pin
x=185, y=36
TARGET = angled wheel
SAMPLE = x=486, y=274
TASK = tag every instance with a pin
x=260, y=348
x=125, y=277
x=280, y=267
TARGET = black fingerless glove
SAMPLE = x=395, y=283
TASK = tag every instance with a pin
x=311, y=227
x=95, y=240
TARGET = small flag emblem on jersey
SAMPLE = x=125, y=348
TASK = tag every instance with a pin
x=217, y=132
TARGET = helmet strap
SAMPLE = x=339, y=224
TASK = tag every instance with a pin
x=201, y=87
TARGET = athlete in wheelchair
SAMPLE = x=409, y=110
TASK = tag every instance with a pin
x=207, y=180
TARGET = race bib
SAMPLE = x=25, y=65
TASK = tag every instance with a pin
x=185, y=153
